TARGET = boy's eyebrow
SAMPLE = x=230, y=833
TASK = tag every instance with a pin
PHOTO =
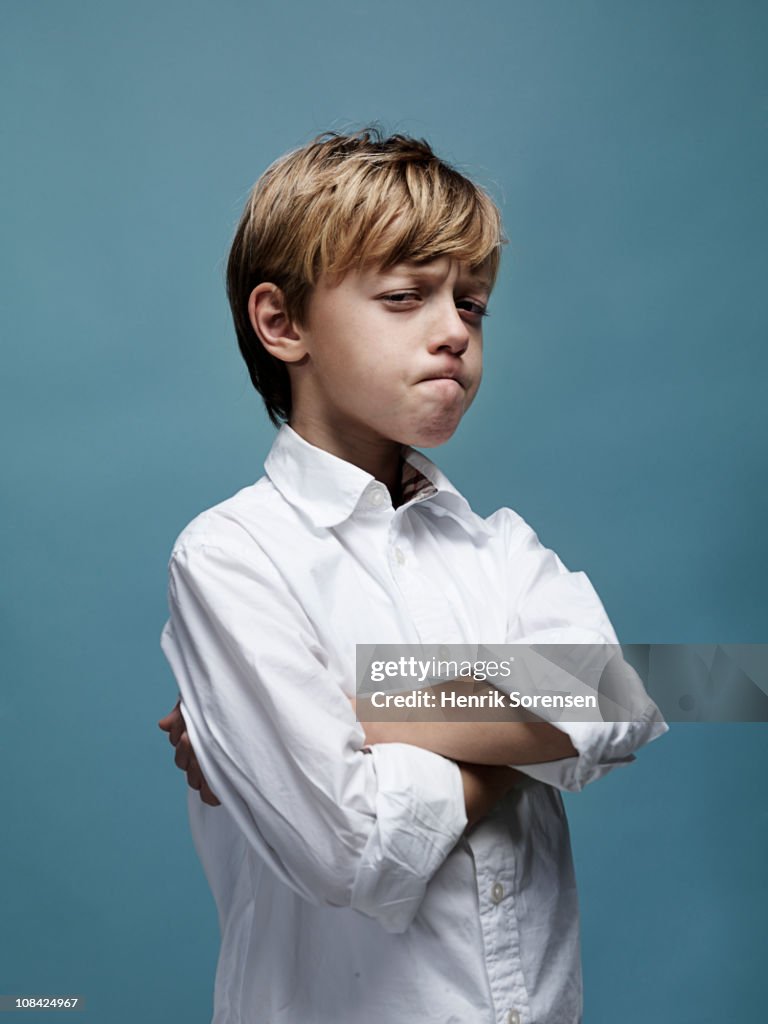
x=483, y=280
x=476, y=277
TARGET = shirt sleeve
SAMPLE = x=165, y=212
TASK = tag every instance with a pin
x=549, y=605
x=278, y=742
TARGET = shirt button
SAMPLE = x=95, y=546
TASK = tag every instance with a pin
x=497, y=892
x=513, y=1017
x=377, y=498
x=400, y=557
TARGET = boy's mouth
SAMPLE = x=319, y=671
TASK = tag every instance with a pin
x=452, y=375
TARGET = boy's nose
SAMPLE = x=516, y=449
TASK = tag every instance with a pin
x=449, y=331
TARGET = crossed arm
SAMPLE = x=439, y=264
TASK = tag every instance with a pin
x=281, y=748
x=482, y=750
x=500, y=742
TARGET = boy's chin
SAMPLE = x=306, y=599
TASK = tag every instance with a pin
x=433, y=434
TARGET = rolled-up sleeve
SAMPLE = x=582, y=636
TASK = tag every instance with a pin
x=278, y=742
x=548, y=604
x=601, y=747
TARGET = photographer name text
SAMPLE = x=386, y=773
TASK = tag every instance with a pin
x=494, y=699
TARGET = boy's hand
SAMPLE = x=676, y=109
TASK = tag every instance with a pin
x=185, y=759
x=484, y=785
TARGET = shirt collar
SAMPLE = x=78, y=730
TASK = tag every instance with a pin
x=327, y=489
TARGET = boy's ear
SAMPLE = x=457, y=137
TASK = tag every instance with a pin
x=273, y=326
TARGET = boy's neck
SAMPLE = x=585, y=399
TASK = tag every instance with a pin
x=382, y=459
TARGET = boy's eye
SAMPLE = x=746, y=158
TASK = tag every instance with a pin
x=467, y=305
x=470, y=306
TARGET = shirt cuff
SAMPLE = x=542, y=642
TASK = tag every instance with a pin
x=600, y=746
x=420, y=816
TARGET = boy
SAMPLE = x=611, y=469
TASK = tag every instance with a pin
x=358, y=877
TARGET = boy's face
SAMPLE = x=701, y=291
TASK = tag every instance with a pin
x=392, y=355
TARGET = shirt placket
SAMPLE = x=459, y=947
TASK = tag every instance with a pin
x=428, y=609
x=499, y=925
x=494, y=874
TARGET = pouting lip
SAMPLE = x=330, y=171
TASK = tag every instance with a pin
x=445, y=375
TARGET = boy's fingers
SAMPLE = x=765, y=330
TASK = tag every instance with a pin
x=207, y=796
x=194, y=776
x=166, y=723
x=183, y=757
x=172, y=719
x=178, y=729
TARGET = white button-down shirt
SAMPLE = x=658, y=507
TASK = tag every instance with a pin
x=346, y=888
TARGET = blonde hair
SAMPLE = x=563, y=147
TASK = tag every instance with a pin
x=345, y=201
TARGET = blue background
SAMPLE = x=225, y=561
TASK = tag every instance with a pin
x=622, y=413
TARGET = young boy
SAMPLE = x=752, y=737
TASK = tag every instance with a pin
x=364, y=878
